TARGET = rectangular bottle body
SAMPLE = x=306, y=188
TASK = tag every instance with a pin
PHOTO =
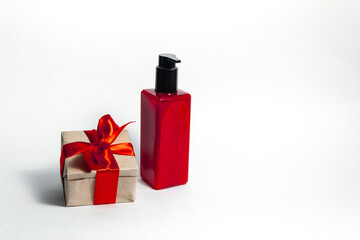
x=165, y=133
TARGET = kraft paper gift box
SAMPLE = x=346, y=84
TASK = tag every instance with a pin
x=79, y=179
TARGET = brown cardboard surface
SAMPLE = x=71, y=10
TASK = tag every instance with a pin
x=79, y=180
x=81, y=192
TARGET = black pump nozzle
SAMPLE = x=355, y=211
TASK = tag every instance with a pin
x=166, y=73
x=168, y=61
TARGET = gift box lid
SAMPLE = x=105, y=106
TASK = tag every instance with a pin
x=76, y=168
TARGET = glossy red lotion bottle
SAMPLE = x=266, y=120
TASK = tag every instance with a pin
x=165, y=128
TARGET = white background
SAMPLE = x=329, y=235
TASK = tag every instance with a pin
x=275, y=130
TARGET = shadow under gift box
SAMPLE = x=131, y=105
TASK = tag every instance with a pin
x=79, y=179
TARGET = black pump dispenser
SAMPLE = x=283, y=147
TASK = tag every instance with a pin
x=166, y=73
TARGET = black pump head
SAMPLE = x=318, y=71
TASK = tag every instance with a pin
x=168, y=61
x=166, y=73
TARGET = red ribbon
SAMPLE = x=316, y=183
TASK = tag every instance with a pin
x=98, y=154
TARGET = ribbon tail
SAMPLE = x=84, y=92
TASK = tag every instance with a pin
x=62, y=162
x=106, y=184
x=110, y=139
x=124, y=126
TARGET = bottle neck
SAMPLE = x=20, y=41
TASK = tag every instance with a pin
x=166, y=80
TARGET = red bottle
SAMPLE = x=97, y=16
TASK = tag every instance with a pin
x=165, y=128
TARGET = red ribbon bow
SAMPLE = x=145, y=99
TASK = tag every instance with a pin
x=98, y=154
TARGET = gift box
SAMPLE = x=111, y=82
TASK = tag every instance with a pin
x=98, y=166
